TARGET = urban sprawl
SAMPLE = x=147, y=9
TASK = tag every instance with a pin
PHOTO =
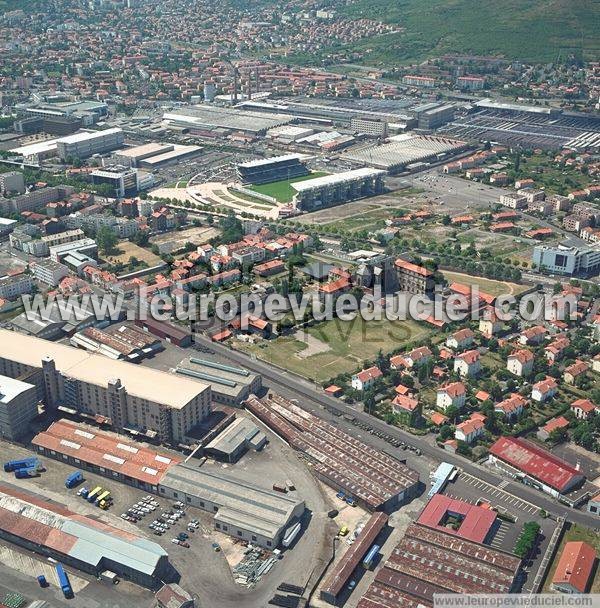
x=215, y=158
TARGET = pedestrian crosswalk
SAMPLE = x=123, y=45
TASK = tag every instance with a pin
x=503, y=484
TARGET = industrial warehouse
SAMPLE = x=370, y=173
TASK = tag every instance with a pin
x=339, y=188
x=229, y=385
x=241, y=509
x=133, y=398
x=404, y=151
x=342, y=571
x=427, y=561
x=201, y=119
x=155, y=155
x=372, y=479
x=538, y=468
x=50, y=529
x=104, y=454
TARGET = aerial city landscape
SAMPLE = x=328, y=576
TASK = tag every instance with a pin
x=299, y=303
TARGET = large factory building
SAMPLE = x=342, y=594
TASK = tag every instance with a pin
x=241, y=509
x=47, y=528
x=133, y=398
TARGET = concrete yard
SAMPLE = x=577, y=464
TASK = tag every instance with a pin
x=212, y=582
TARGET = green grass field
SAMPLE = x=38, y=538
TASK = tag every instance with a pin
x=350, y=343
x=282, y=190
x=530, y=30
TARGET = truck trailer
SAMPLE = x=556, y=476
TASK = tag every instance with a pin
x=64, y=582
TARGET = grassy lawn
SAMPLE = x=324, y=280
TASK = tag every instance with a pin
x=256, y=202
x=350, y=343
x=490, y=286
x=282, y=190
x=575, y=533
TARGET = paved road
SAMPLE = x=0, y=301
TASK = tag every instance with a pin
x=291, y=386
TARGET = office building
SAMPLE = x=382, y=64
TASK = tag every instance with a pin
x=84, y=145
x=12, y=182
x=18, y=407
x=133, y=398
x=49, y=272
x=367, y=126
x=242, y=509
x=12, y=287
x=569, y=261
x=433, y=115
x=123, y=181
x=87, y=246
x=36, y=199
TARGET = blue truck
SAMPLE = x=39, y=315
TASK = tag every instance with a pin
x=23, y=463
x=42, y=582
x=27, y=472
x=368, y=561
x=64, y=582
x=75, y=478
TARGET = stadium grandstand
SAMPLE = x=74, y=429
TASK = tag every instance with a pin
x=273, y=169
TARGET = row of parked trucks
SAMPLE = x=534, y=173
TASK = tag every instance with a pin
x=24, y=467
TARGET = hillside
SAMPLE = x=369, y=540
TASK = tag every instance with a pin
x=530, y=30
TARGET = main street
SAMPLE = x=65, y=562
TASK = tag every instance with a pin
x=311, y=398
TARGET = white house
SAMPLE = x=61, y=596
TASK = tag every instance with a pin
x=453, y=394
x=520, y=363
x=468, y=363
x=583, y=408
x=461, y=339
x=512, y=407
x=366, y=378
x=533, y=335
x=469, y=430
x=544, y=389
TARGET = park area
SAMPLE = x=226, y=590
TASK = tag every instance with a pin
x=334, y=347
x=282, y=190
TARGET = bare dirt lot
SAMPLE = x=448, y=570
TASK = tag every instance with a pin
x=127, y=250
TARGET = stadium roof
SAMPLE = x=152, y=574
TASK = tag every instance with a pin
x=536, y=462
x=262, y=162
x=476, y=522
x=146, y=383
x=336, y=178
